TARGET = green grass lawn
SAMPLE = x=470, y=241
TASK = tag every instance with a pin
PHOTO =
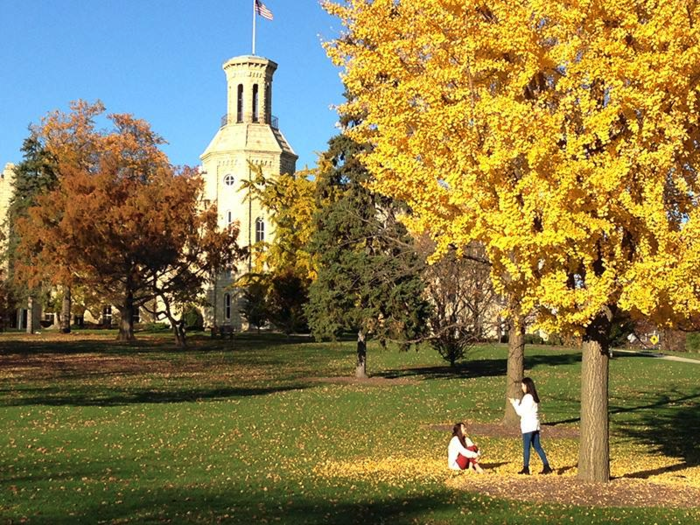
x=247, y=431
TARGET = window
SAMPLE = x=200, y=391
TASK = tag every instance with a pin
x=239, y=107
x=259, y=230
x=227, y=306
x=136, y=317
x=229, y=179
x=229, y=217
x=255, y=103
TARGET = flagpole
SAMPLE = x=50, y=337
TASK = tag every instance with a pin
x=254, y=17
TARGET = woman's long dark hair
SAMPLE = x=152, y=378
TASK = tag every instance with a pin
x=530, y=389
x=457, y=431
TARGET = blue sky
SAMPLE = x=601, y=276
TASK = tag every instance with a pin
x=161, y=61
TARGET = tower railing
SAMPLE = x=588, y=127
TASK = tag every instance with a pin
x=231, y=119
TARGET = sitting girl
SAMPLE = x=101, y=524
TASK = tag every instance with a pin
x=462, y=453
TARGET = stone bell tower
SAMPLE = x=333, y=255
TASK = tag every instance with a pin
x=249, y=133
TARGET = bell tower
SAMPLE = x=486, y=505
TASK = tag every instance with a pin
x=249, y=134
x=250, y=89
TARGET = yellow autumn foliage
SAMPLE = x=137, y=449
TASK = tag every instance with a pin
x=561, y=135
x=289, y=198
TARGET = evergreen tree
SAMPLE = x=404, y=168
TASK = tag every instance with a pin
x=368, y=271
x=254, y=307
x=34, y=176
x=287, y=295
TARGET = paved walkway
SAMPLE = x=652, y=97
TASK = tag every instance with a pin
x=658, y=356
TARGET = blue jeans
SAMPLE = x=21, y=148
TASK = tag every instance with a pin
x=533, y=438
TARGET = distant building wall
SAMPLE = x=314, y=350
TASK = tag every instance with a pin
x=6, y=191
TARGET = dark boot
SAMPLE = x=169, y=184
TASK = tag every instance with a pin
x=546, y=470
x=525, y=470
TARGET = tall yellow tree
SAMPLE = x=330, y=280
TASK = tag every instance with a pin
x=289, y=198
x=283, y=269
x=561, y=135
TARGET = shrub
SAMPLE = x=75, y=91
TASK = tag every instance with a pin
x=452, y=344
x=155, y=327
x=620, y=330
x=673, y=341
x=193, y=319
x=533, y=339
x=692, y=342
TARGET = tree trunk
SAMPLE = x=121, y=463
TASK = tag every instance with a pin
x=31, y=317
x=180, y=332
x=594, y=448
x=516, y=368
x=66, y=311
x=361, y=367
x=179, y=326
x=126, y=324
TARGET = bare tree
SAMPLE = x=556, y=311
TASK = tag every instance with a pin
x=464, y=302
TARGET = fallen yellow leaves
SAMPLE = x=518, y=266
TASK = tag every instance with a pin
x=395, y=470
x=572, y=491
x=639, y=474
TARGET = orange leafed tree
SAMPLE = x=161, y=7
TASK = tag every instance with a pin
x=563, y=136
x=122, y=221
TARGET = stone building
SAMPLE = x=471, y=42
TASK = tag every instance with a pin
x=6, y=191
x=249, y=133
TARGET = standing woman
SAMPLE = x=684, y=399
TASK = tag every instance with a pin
x=527, y=408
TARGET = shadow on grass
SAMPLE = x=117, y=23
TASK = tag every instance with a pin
x=662, y=401
x=488, y=466
x=670, y=430
x=646, y=474
x=79, y=346
x=481, y=367
x=668, y=425
x=197, y=504
x=145, y=343
x=104, y=398
x=200, y=500
x=563, y=470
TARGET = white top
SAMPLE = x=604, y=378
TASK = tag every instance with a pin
x=527, y=409
x=455, y=448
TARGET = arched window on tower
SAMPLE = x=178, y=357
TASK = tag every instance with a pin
x=256, y=97
x=268, y=102
x=227, y=306
x=239, y=105
x=259, y=229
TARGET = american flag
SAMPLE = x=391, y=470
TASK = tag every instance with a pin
x=262, y=10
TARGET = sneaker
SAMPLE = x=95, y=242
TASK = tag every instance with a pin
x=546, y=470
x=525, y=470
